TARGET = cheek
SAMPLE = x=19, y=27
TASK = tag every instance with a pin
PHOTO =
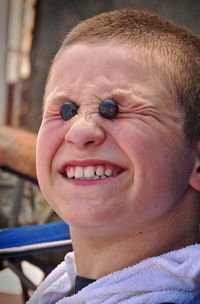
x=158, y=160
x=50, y=137
x=134, y=141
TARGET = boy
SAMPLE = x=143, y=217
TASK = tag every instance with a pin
x=118, y=160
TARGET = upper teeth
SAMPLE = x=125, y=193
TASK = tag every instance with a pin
x=90, y=172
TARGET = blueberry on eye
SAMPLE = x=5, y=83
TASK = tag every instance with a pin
x=108, y=108
x=68, y=110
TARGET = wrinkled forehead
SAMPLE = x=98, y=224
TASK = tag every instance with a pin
x=105, y=58
x=111, y=65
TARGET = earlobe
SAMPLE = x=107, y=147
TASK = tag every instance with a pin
x=195, y=178
x=195, y=175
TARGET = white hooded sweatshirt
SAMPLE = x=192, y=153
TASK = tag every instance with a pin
x=172, y=277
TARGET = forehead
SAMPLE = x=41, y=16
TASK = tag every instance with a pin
x=104, y=68
x=93, y=60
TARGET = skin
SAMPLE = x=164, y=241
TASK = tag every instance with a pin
x=17, y=150
x=135, y=213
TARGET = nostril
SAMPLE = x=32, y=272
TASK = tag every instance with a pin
x=84, y=133
x=90, y=142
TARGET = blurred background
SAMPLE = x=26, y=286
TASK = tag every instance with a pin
x=30, y=34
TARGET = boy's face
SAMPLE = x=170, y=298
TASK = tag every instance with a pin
x=143, y=145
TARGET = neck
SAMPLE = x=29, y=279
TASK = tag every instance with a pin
x=97, y=257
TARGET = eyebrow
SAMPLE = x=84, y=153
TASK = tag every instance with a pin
x=57, y=97
x=120, y=95
x=54, y=99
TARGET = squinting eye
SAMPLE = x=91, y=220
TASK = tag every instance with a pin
x=68, y=110
x=108, y=108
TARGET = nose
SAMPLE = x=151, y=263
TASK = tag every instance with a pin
x=84, y=134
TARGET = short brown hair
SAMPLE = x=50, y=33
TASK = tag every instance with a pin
x=170, y=47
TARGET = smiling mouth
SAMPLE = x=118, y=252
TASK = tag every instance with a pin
x=92, y=172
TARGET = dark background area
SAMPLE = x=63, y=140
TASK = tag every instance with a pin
x=55, y=18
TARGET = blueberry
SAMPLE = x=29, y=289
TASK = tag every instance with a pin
x=68, y=110
x=108, y=108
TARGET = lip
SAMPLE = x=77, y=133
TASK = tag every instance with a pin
x=90, y=162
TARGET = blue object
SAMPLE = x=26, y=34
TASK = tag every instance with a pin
x=68, y=110
x=30, y=239
x=108, y=108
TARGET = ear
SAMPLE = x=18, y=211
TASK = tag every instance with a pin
x=195, y=175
